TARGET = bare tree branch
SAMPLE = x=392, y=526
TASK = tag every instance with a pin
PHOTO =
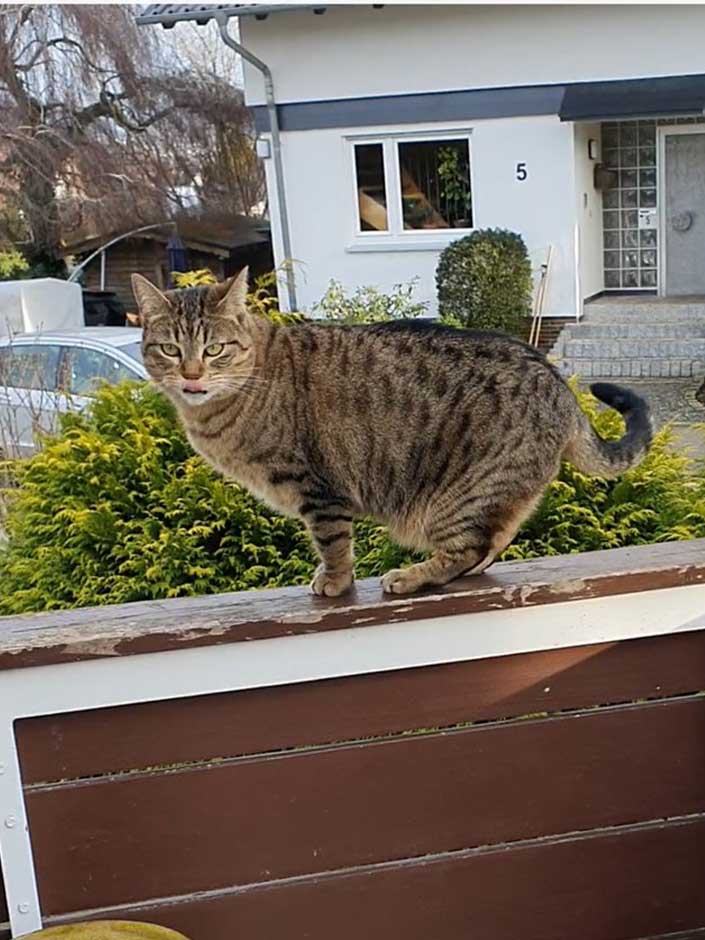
x=100, y=124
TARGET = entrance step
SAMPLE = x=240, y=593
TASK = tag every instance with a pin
x=633, y=368
x=607, y=348
x=635, y=329
x=611, y=312
x=632, y=338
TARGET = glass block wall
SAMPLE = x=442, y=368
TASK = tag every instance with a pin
x=631, y=248
x=630, y=252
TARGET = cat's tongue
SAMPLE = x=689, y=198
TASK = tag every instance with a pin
x=192, y=386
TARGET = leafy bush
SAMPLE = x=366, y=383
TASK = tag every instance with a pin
x=262, y=300
x=484, y=281
x=196, y=278
x=117, y=508
x=369, y=305
x=661, y=500
x=13, y=265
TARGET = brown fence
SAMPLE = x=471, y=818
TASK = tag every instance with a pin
x=557, y=794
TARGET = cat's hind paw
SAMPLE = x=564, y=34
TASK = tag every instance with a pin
x=403, y=580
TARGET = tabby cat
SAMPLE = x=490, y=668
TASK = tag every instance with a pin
x=449, y=437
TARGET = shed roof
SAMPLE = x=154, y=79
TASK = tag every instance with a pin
x=210, y=231
x=170, y=13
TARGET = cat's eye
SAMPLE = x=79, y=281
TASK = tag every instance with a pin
x=169, y=349
x=215, y=349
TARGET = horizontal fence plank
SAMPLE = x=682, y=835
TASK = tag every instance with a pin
x=624, y=884
x=133, y=837
x=260, y=720
x=69, y=636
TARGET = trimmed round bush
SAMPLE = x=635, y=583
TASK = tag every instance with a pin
x=484, y=282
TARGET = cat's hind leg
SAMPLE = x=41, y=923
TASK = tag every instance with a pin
x=463, y=546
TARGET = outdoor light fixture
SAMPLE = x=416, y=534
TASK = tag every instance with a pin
x=593, y=149
x=262, y=148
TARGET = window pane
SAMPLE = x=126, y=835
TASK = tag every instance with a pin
x=435, y=184
x=133, y=350
x=371, y=188
x=32, y=366
x=87, y=368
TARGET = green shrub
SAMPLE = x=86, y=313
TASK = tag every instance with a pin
x=262, y=299
x=369, y=305
x=484, y=282
x=117, y=508
x=13, y=265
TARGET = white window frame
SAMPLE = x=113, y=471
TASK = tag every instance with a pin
x=397, y=238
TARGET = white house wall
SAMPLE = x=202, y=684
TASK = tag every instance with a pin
x=589, y=212
x=351, y=52
x=321, y=204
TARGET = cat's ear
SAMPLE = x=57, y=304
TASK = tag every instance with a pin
x=150, y=299
x=231, y=296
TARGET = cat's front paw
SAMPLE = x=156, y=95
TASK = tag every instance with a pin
x=331, y=583
x=403, y=580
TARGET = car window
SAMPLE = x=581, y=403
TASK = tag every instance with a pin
x=133, y=350
x=29, y=366
x=87, y=368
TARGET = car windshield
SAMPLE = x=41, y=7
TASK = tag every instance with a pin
x=134, y=350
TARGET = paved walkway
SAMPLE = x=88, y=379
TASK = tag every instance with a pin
x=672, y=400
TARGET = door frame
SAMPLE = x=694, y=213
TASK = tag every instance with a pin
x=662, y=132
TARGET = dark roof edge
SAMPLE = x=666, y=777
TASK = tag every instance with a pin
x=472, y=104
x=202, y=15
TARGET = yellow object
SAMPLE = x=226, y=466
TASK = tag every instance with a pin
x=106, y=930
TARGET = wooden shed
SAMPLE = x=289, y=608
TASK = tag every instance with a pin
x=224, y=243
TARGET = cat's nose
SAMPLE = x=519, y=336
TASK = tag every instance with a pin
x=192, y=370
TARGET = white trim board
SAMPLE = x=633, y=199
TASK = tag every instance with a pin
x=66, y=687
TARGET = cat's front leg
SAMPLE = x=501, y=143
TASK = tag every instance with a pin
x=331, y=531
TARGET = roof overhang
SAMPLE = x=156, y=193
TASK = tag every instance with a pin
x=634, y=98
x=168, y=14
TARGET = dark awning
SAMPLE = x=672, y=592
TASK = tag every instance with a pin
x=634, y=98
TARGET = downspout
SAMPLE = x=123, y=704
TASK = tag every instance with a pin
x=222, y=21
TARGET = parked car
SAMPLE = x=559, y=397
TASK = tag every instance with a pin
x=45, y=374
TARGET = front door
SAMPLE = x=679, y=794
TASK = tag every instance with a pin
x=683, y=212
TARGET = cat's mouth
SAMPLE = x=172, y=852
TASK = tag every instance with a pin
x=192, y=387
x=195, y=392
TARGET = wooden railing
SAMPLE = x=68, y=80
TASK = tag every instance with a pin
x=517, y=756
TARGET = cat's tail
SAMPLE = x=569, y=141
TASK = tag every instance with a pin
x=591, y=454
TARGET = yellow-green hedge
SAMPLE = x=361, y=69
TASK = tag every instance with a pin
x=117, y=508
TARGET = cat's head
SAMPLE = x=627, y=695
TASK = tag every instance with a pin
x=198, y=343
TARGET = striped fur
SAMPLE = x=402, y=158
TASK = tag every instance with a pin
x=448, y=437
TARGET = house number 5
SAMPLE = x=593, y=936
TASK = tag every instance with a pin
x=521, y=171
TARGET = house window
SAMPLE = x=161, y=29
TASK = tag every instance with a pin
x=411, y=185
x=371, y=188
x=435, y=184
